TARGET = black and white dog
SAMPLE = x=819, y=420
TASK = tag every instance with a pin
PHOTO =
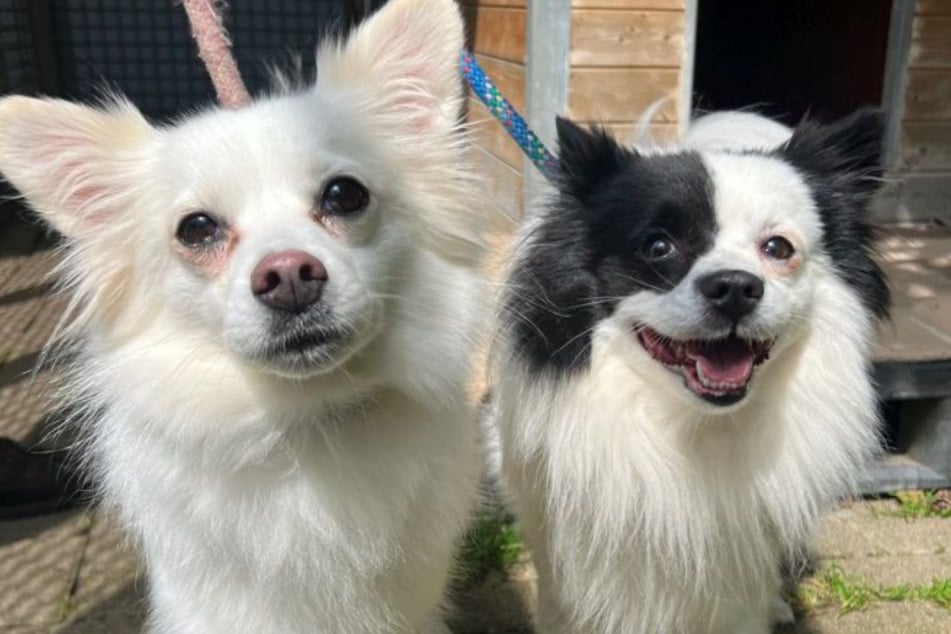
x=683, y=382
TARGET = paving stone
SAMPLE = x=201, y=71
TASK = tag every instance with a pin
x=862, y=530
x=881, y=618
x=106, y=595
x=918, y=266
x=15, y=320
x=896, y=570
x=28, y=316
x=23, y=406
x=44, y=323
x=26, y=325
x=9, y=265
x=21, y=271
x=38, y=563
x=26, y=273
x=123, y=613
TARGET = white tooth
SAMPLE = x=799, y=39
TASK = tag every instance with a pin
x=704, y=379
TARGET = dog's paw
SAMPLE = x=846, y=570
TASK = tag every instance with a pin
x=780, y=613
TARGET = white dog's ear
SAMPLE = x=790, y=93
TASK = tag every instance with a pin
x=73, y=163
x=408, y=51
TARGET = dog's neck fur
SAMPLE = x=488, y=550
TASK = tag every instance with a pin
x=293, y=516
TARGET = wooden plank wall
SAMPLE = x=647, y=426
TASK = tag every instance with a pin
x=925, y=158
x=496, y=30
x=626, y=54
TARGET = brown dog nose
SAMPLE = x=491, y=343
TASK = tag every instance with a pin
x=288, y=280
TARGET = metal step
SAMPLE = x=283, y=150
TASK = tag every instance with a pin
x=900, y=472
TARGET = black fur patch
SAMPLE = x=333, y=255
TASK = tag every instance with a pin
x=842, y=165
x=589, y=251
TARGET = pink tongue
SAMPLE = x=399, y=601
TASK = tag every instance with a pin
x=729, y=361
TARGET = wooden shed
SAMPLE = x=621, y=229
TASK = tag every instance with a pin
x=606, y=61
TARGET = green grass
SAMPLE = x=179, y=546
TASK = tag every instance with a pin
x=833, y=587
x=64, y=608
x=493, y=543
x=915, y=504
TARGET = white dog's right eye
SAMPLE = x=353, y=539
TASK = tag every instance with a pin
x=344, y=196
x=197, y=229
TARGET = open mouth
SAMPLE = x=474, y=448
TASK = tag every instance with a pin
x=718, y=371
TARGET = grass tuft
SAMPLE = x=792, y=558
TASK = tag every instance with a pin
x=939, y=591
x=493, y=544
x=915, y=504
x=832, y=587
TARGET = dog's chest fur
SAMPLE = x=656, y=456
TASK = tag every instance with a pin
x=294, y=522
x=644, y=517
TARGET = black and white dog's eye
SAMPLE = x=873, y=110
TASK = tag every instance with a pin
x=198, y=229
x=659, y=247
x=344, y=196
x=778, y=248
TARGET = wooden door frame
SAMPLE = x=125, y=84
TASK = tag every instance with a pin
x=896, y=76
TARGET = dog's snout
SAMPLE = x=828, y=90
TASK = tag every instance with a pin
x=288, y=280
x=733, y=294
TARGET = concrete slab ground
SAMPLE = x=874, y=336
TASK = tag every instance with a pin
x=869, y=541
x=67, y=572
x=891, y=618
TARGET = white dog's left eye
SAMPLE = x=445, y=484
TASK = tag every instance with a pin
x=778, y=248
x=344, y=196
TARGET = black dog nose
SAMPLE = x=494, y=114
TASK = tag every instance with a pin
x=288, y=280
x=733, y=294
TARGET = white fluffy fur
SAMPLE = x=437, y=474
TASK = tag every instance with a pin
x=649, y=511
x=324, y=498
x=734, y=129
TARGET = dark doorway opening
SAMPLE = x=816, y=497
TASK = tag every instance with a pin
x=790, y=58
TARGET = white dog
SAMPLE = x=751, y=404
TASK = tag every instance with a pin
x=274, y=311
x=683, y=380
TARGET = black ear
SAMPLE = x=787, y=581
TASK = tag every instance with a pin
x=846, y=154
x=843, y=165
x=585, y=156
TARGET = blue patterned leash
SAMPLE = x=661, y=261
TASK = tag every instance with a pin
x=508, y=116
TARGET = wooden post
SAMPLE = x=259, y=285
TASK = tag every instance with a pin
x=547, y=46
x=896, y=74
x=685, y=112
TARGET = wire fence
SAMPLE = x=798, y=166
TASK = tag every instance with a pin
x=77, y=48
